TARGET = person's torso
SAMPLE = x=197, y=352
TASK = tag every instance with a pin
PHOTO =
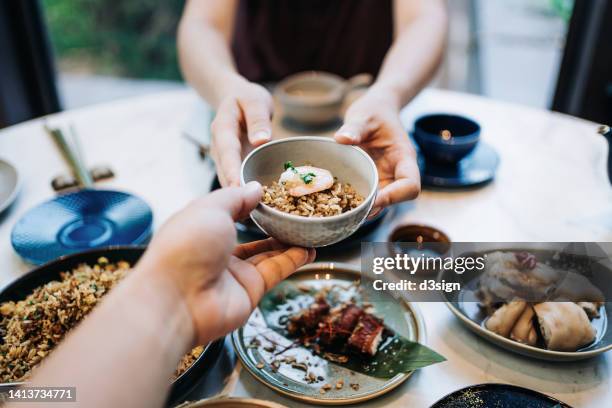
x=276, y=38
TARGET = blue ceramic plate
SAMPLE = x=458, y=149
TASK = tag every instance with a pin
x=475, y=169
x=82, y=220
x=499, y=396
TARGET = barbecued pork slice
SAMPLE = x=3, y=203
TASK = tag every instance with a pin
x=367, y=335
x=339, y=325
x=307, y=321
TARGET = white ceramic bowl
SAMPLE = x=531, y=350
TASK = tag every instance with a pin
x=314, y=97
x=348, y=163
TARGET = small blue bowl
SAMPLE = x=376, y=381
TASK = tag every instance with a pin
x=78, y=221
x=446, y=138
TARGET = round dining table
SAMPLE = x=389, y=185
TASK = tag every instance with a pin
x=551, y=186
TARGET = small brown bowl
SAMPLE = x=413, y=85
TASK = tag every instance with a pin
x=429, y=241
x=418, y=233
x=315, y=97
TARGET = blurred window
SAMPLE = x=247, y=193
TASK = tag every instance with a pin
x=107, y=50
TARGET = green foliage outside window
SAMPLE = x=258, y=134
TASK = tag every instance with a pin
x=132, y=38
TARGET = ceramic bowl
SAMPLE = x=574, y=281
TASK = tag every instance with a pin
x=419, y=233
x=446, y=138
x=316, y=98
x=349, y=164
x=42, y=275
x=416, y=240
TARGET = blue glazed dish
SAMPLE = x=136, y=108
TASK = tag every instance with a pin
x=79, y=221
x=446, y=138
x=498, y=395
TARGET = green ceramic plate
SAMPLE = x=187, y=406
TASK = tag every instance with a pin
x=403, y=317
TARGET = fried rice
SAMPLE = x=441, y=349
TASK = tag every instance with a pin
x=337, y=199
x=31, y=328
x=188, y=360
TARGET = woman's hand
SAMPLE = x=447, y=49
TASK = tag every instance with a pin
x=372, y=122
x=242, y=122
x=195, y=255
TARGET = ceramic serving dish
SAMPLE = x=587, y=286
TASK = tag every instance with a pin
x=464, y=305
x=404, y=317
x=82, y=220
x=41, y=275
x=349, y=164
x=498, y=395
x=230, y=402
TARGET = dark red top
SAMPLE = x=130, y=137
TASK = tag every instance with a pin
x=276, y=38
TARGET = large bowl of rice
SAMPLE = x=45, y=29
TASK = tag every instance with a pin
x=318, y=219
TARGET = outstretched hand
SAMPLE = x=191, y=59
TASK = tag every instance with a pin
x=221, y=282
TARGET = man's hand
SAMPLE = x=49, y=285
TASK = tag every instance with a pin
x=372, y=122
x=195, y=254
x=242, y=122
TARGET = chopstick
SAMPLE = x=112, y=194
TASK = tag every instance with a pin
x=71, y=154
x=203, y=149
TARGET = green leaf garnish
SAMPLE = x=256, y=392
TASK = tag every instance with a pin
x=289, y=165
x=396, y=355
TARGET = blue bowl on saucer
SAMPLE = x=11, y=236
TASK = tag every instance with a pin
x=79, y=221
x=446, y=138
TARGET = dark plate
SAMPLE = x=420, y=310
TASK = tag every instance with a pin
x=498, y=396
x=79, y=221
x=249, y=228
x=25, y=284
x=475, y=169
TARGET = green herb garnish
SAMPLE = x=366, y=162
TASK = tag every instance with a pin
x=308, y=177
x=289, y=165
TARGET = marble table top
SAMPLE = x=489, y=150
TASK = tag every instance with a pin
x=551, y=185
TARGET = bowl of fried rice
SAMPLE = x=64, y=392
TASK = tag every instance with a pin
x=38, y=309
x=316, y=192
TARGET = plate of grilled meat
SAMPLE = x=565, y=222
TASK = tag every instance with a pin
x=321, y=337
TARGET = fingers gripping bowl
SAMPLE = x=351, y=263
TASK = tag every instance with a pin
x=355, y=180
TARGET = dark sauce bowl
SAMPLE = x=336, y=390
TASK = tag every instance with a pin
x=418, y=240
x=446, y=138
